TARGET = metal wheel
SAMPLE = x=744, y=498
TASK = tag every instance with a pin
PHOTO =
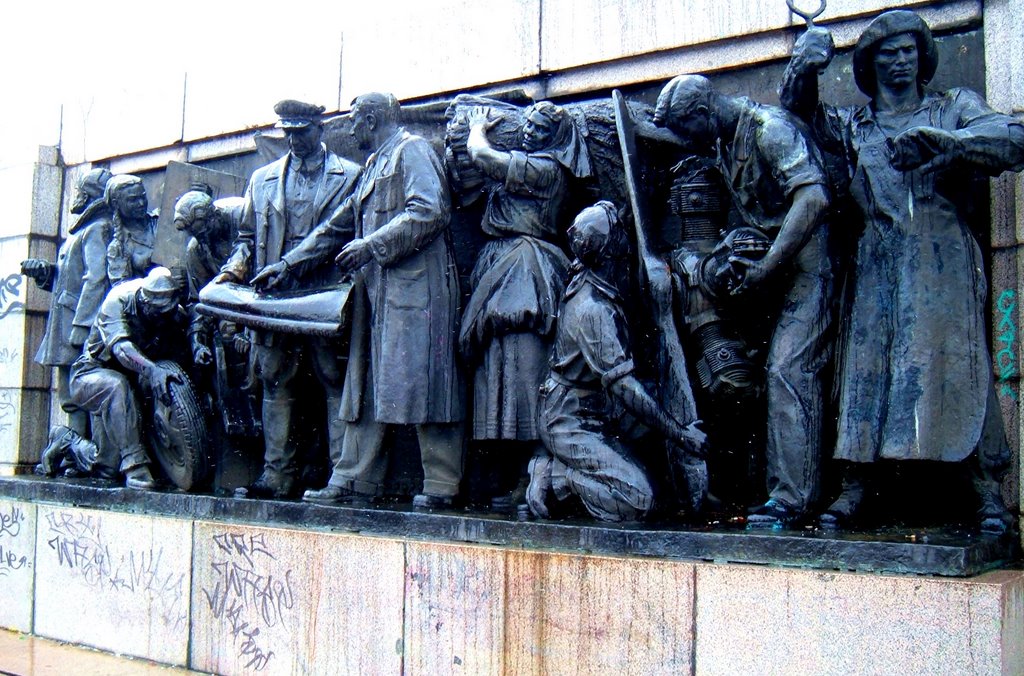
x=177, y=433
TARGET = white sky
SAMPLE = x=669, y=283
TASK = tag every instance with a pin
x=116, y=63
x=118, y=67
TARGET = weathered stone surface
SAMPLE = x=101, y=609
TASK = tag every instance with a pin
x=428, y=48
x=485, y=610
x=114, y=581
x=17, y=564
x=1004, y=55
x=13, y=349
x=577, y=32
x=291, y=602
x=24, y=426
x=455, y=603
x=569, y=614
x=34, y=375
x=33, y=427
x=1006, y=355
x=307, y=601
x=1004, y=210
x=10, y=428
x=46, y=193
x=831, y=623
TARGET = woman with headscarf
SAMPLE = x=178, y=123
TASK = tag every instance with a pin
x=133, y=230
x=520, y=274
x=915, y=379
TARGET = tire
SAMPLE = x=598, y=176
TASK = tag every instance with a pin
x=177, y=433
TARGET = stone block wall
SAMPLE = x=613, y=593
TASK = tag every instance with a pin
x=234, y=598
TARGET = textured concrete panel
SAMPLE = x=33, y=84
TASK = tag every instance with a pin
x=17, y=564
x=480, y=610
x=1006, y=358
x=114, y=581
x=597, y=615
x=417, y=49
x=46, y=192
x=1004, y=54
x=793, y=621
x=578, y=32
x=10, y=428
x=34, y=375
x=12, y=349
x=1012, y=585
x=454, y=614
x=16, y=196
x=288, y=602
x=226, y=92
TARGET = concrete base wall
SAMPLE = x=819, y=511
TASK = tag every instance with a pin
x=234, y=599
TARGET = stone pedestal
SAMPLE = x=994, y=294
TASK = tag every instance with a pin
x=407, y=594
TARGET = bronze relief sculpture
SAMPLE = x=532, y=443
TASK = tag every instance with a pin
x=519, y=276
x=78, y=282
x=915, y=380
x=392, y=236
x=594, y=371
x=777, y=183
x=284, y=202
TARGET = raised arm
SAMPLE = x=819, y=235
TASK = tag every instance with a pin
x=812, y=54
x=494, y=163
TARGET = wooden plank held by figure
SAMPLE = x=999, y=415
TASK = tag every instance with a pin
x=674, y=389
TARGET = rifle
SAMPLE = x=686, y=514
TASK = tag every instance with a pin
x=675, y=392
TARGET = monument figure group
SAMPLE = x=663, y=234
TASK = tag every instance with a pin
x=581, y=350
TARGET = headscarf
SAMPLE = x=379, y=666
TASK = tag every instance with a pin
x=566, y=147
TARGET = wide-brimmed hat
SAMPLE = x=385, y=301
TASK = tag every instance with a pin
x=885, y=26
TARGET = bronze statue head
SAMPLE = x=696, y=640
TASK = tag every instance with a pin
x=886, y=26
x=374, y=119
x=126, y=196
x=597, y=235
x=90, y=189
x=193, y=212
x=685, y=107
x=543, y=125
x=301, y=124
x=159, y=292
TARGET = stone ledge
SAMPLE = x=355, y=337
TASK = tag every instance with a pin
x=939, y=551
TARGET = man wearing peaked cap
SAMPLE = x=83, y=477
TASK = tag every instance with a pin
x=296, y=114
x=284, y=202
x=405, y=296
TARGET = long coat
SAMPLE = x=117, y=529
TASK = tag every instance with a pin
x=264, y=222
x=915, y=373
x=80, y=285
x=407, y=297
